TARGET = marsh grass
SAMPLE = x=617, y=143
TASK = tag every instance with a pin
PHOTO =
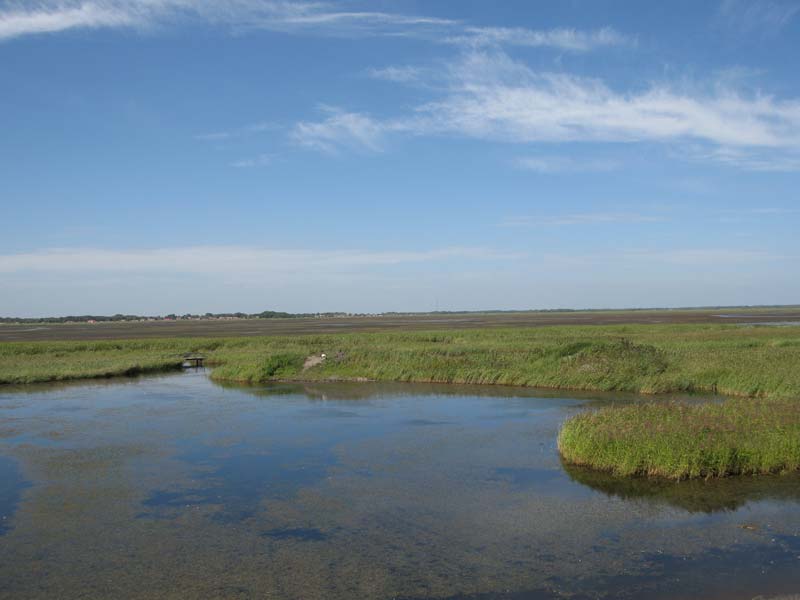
x=686, y=441
x=36, y=362
x=725, y=359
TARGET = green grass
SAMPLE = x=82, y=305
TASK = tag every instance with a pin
x=683, y=441
x=36, y=362
x=725, y=359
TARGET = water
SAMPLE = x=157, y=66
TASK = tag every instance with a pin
x=176, y=487
x=11, y=486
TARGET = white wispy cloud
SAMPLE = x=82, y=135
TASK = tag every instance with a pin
x=400, y=74
x=560, y=38
x=39, y=18
x=765, y=15
x=628, y=217
x=487, y=95
x=768, y=160
x=565, y=164
x=490, y=96
x=296, y=265
x=321, y=14
x=48, y=16
x=239, y=132
x=493, y=96
x=342, y=129
x=599, y=218
x=772, y=211
x=749, y=215
x=230, y=259
x=262, y=160
x=288, y=16
x=700, y=257
x=78, y=281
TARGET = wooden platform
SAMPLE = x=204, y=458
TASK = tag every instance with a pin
x=193, y=361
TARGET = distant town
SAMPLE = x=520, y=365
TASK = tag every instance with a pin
x=267, y=314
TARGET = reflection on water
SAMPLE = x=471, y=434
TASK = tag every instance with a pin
x=364, y=391
x=357, y=491
x=696, y=496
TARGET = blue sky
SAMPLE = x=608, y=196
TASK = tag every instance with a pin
x=189, y=156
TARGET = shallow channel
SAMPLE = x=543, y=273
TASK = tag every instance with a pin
x=175, y=487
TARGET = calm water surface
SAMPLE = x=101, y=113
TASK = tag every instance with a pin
x=174, y=487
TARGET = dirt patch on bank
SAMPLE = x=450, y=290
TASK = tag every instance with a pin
x=313, y=361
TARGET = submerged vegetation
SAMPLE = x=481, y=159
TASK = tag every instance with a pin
x=759, y=434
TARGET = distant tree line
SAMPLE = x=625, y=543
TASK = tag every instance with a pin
x=73, y=318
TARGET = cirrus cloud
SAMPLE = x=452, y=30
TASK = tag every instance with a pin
x=230, y=259
x=488, y=95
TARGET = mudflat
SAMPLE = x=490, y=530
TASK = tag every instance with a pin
x=470, y=320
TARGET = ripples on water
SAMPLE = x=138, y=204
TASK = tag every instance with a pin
x=176, y=487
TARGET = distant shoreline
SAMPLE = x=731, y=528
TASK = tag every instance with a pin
x=117, y=318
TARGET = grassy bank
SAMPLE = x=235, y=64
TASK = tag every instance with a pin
x=38, y=362
x=747, y=361
x=679, y=441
